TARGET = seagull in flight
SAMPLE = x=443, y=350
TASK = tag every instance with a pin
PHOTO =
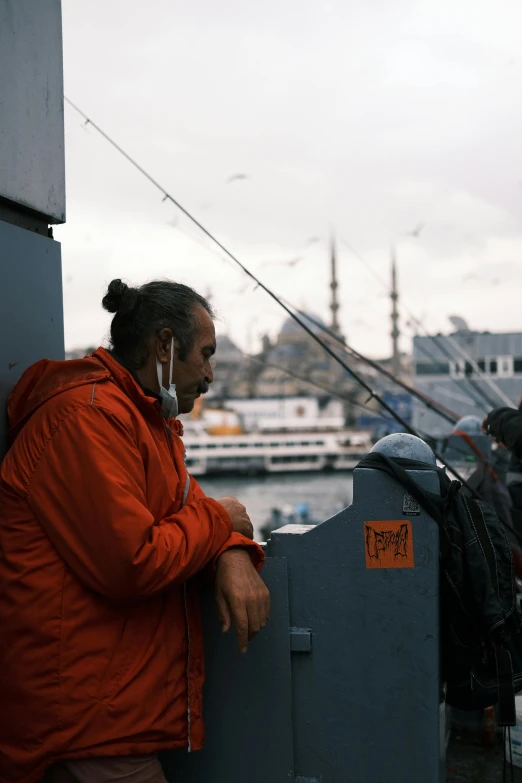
x=291, y=262
x=236, y=178
x=417, y=230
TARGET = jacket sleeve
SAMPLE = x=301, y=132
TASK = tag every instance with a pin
x=88, y=493
x=505, y=424
x=255, y=551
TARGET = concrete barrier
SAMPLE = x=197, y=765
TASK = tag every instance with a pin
x=343, y=684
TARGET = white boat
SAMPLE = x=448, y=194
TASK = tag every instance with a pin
x=216, y=442
x=271, y=436
x=252, y=453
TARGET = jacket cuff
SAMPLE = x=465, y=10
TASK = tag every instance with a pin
x=257, y=556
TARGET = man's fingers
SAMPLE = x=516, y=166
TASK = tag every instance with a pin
x=267, y=605
x=263, y=602
x=242, y=596
x=240, y=616
x=254, y=618
x=224, y=612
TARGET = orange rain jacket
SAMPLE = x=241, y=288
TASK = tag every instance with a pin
x=100, y=638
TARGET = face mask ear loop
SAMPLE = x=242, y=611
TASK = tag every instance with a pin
x=171, y=361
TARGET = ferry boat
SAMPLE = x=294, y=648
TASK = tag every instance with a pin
x=252, y=453
x=217, y=441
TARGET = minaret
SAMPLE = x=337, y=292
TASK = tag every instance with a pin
x=334, y=306
x=395, y=333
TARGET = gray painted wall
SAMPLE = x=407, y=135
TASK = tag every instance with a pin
x=31, y=309
x=32, y=167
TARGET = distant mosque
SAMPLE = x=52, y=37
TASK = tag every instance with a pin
x=294, y=364
x=303, y=361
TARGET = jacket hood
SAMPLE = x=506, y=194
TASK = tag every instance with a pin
x=44, y=380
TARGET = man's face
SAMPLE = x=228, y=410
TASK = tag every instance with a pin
x=193, y=376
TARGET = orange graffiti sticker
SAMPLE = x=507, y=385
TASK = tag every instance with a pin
x=388, y=544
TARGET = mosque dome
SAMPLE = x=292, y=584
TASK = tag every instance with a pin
x=313, y=321
x=227, y=351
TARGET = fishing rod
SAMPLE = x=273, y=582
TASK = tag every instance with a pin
x=476, y=403
x=429, y=402
x=472, y=400
x=410, y=429
x=482, y=375
x=449, y=416
x=491, y=403
x=326, y=389
x=425, y=436
x=344, y=397
x=440, y=345
x=461, y=350
x=460, y=397
x=314, y=384
x=476, y=389
x=168, y=197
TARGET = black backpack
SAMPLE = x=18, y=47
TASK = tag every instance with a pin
x=481, y=626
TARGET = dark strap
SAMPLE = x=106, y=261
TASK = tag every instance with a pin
x=506, y=713
x=479, y=524
x=506, y=691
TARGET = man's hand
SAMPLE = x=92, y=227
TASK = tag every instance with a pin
x=237, y=512
x=241, y=595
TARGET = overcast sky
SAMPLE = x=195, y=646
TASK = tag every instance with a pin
x=366, y=117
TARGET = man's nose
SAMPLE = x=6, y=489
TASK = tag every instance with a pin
x=209, y=375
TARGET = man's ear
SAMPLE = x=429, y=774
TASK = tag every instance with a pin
x=163, y=346
x=177, y=347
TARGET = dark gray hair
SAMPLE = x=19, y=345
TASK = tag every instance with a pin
x=142, y=312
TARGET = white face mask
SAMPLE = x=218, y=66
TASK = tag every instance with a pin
x=169, y=400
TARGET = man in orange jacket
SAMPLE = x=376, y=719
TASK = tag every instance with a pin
x=102, y=536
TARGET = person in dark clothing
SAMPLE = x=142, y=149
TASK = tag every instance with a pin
x=505, y=426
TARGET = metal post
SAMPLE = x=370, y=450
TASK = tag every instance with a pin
x=334, y=304
x=32, y=188
x=395, y=332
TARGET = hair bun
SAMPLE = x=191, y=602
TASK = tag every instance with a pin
x=119, y=297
